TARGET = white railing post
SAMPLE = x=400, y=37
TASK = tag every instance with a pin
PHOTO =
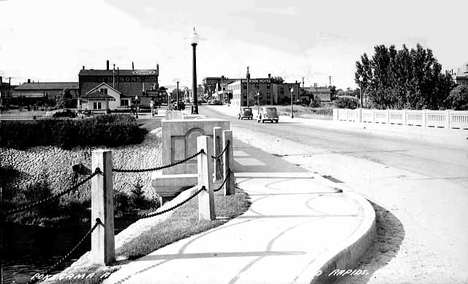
x=336, y=114
x=387, y=113
x=206, y=210
x=228, y=158
x=447, y=119
x=102, y=207
x=359, y=114
x=404, y=117
x=217, y=149
x=424, y=118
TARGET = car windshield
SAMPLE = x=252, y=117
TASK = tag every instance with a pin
x=271, y=109
x=247, y=109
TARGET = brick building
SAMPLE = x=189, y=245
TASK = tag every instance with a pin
x=129, y=84
x=270, y=93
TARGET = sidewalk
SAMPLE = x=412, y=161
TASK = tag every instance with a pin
x=298, y=226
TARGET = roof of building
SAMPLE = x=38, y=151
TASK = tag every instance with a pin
x=47, y=86
x=100, y=86
x=120, y=72
x=97, y=95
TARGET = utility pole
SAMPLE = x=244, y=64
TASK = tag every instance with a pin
x=248, y=79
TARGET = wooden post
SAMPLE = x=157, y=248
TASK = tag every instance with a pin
x=102, y=207
x=206, y=209
x=217, y=149
x=228, y=168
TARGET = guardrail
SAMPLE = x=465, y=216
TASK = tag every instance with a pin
x=449, y=119
x=102, y=193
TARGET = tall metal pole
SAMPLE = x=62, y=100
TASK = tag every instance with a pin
x=177, y=96
x=360, y=93
x=194, y=86
x=292, y=111
x=248, y=79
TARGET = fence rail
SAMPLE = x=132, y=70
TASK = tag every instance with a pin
x=449, y=119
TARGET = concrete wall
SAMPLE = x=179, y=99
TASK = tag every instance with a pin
x=179, y=138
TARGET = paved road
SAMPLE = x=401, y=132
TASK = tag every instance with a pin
x=423, y=188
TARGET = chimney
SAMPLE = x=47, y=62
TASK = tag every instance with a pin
x=1, y=80
x=133, y=66
x=269, y=75
x=83, y=67
x=466, y=68
x=107, y=65
x=29, y=80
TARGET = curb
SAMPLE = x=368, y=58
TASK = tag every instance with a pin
x=345, y=255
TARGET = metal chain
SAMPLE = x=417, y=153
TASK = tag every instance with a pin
x=153, y=214
x=55, y=196
x=98, y=222
x=220, y=155
x=225, y=179
x=158, y=168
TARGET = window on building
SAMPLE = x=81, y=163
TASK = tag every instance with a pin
x=268, y=96
x=268, y=86
x=103, y=90
x=97, y=105
x=244, y=96
x=125, y=102
x=282, y=91
x=244, y=86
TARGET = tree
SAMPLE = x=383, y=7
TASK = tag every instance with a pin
x=64, y=99
x=458, y=98
x=277, y=80
x=346, y=102
x=333, y=92
x=403, y=78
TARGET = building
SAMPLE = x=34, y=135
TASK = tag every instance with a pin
x=130, y=86
x=102, y=97
x=462, y=75
x=323, y=93
x=42, y=92
x=269, y=93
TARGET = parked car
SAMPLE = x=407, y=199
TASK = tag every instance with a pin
x=215, y=102
x=245, y=112
x=268, y=113
x=61, y=113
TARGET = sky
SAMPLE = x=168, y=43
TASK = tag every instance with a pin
x=50, y=40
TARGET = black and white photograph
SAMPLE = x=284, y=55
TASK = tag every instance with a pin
x=234, y=142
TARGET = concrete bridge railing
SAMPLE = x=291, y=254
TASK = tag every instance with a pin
x=448, y=119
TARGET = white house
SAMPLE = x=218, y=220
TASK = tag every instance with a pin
x=101, y=97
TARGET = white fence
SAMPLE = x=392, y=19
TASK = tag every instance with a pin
x=449, y=119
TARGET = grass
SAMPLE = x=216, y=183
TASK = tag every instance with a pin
x=306, y=112
x=181, y=224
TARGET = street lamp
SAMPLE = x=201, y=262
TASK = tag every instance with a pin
x=194, y=86
x=258, y=102
x=136, y=106
x=292, y=113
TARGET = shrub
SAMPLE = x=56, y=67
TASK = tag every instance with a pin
x=103, y=130
x=346, y=102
